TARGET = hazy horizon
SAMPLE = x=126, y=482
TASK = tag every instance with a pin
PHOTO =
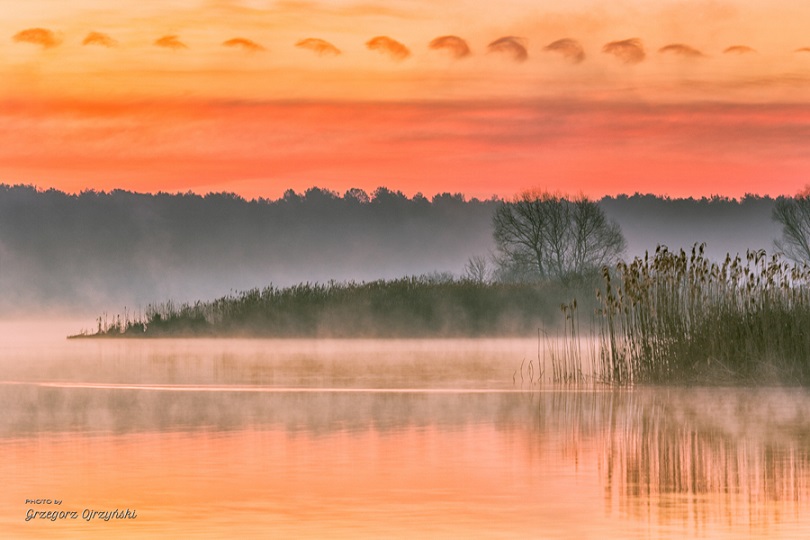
x=119, y=248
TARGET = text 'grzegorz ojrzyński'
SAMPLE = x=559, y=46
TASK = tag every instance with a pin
x=88, y=514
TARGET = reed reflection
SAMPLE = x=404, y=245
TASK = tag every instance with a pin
x=684, y=460
x=690, y=456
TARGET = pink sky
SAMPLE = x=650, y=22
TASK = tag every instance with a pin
x=712, y=98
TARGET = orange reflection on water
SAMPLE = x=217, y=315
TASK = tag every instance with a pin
x=565, y=464
x=257, y=439
x=465, y=482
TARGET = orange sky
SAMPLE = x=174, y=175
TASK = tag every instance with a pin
x=260, y=96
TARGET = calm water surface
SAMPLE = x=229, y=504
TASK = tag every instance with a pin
x=380, y=439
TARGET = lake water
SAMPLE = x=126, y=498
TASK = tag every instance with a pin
x=379, y=439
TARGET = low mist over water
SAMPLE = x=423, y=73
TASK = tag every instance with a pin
x=382, y=438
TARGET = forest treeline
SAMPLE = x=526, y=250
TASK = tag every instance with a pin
x=89, y=251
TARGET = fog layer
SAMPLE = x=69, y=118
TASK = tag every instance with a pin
x=101, y=251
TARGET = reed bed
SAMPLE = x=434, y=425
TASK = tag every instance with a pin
x=422, y=306
x=679, y=317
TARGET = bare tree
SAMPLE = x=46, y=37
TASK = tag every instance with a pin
x=794, y=216
x=541, y=236
x=477, y=269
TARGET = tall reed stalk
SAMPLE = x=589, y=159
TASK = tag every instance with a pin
x=679, y=317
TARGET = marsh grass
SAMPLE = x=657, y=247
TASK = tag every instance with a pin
x=679, y=317
x=424, y=306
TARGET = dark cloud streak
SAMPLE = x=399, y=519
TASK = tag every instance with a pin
x=37, y=36
x=170, y=42
x=570, y=49
x=456, y=46
x=243, y=43
x=739, y=49
x=319, y=46
x=679, y=49
x=511, y=45
x=391, y=47
x=97, y=38
x=629, y=51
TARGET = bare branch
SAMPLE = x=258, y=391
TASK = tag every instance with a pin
x=794, y=216
x=544, y=236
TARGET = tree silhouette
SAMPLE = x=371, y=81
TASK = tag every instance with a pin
x=543, y=236
x=793, y=214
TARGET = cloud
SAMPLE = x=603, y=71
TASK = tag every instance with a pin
x=739, y=49
x=319, y=46
x=243, y=43
x=456, y=46
x=511, y=45
x=170, y=42
x=681, y=50
x=569, y=48
x=37, y=36
x=391, y=47
x=213, y=141
x=97, y=38
x=803, y=49
x=629, y=51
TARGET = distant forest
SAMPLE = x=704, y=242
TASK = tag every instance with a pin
x=99, y=251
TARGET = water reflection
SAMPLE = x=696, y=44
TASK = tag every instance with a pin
x=695, y=457
x=32, y=409
x=650, y=441
x=212, y=443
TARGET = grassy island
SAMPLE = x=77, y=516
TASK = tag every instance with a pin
x=674, y=317
x=425, y=306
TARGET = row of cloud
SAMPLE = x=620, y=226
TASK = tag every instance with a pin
x=629, y=51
